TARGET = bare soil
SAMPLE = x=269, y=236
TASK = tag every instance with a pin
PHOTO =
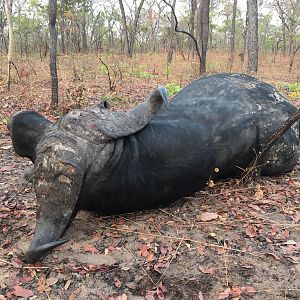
x=229, y=241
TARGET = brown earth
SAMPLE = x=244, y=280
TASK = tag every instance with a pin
x=229, y=241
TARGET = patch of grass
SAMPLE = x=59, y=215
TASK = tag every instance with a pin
x=172, y=89
x=4, y=119
x=292, y=89
x=113, y=97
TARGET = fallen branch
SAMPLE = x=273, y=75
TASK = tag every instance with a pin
x=277, y=134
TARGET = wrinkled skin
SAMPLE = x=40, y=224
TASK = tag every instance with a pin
x=115, y=162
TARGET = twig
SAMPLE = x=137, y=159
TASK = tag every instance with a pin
x=21, y=190
x=6, y=262
x=187, y=33
x=146, y=273
x=225, y=265
x=111, y=85
x=162, y=275
x=184, y=239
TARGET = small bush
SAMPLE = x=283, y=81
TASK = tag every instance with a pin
x=172, y=89
x=292, y=89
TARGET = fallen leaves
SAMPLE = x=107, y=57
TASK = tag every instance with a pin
x=208, y=216
x=251, y=231
x=207, y=269
x=89, y=248
x=236, y=292
x=22, y=292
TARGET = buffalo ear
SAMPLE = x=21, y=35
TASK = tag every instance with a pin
x=119, y=124
x=27, y=128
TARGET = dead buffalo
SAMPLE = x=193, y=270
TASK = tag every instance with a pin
x=110, y=162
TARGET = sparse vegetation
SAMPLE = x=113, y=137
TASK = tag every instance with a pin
x=172, y=89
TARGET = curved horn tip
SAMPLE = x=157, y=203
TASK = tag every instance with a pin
x=164, y=95
x=35, y=254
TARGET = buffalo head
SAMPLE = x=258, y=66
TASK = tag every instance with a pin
x=63, y=153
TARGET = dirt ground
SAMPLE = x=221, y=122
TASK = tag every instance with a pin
x=229, y=241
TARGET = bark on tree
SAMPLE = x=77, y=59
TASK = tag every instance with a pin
x=192, y=22
x=242, y=55
x=63, y=27
x=171, y=45
x=232, y=37
x=187, y=33
x=135, y=26
x=203, y=32
x=293, y=57
x=252, y=34
x=130, y=36
x=10, y=54
x=125, y=28
x=53, y=52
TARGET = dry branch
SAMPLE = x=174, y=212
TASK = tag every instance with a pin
x=187, y=33
x=256, y=162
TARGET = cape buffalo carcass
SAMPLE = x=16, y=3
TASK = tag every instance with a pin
x=110, y=162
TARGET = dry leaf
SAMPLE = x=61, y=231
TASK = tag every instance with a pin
x=296, y=218
x=21, y=292
x=259, y=194
x=122, y=297
x=51, y=281
x=200, y=296
x=89, y=248
x=251, y=231
x=224, y=294
x=207, y=269
x=235, y=292
x=118, y=283
x=201, y=250
x=248, y=290
x=208, y=216
x=67, y=284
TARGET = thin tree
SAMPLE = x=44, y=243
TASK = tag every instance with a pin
x=171, y=36
x=203, y=32
x=130, y=36
x=252, y=36
x=125, y=28
x=192, y=22
x=187, y=33
x=10, y=54
x=232, y=36
x=53, y=53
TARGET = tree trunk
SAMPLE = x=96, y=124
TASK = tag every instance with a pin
x=192, y=22
x=232, y=37
x=53, y=53
x=292, y=58
x=171, y=36
x=125, y=29
x=203, y=32
x=62, y=27
x=135, y=25
x=84, y=30
x=10, y=54
x=252, y=41
x=242, y=55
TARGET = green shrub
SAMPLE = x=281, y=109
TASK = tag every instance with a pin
x=292, y=89
x=172, y=89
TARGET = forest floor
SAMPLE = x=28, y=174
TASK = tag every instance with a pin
x=229, y=241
